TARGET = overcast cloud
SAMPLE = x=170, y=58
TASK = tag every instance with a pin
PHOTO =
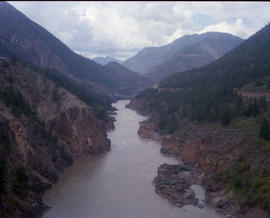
x=120, y=29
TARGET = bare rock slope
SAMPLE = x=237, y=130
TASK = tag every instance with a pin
x=43, y=129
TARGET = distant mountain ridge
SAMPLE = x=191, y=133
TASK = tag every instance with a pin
x=184, y=53
x=215, y=117
x=128, y=82
x=35, y=45
x=105, y=60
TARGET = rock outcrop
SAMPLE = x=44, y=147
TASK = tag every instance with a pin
x=212, y=153
x=147, y=130
x=173, y=182
x=43, y=129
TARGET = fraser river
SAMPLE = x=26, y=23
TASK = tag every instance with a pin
x=118, y=184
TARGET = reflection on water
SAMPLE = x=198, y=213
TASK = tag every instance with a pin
x=118, y=184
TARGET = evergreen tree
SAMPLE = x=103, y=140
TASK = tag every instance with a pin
x=268, y=84
x=2, y=176
x=226, y=118
x=162, y=122
x=249, y=110
x=265, y=130
x=14, y=58
x=262, y=101
x=255, y=108
x=172, y=125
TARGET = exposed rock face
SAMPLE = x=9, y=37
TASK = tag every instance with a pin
x=173, y=182
x=110, y=122
x=208, y=150
x=80, y=128
x=147, y=130
x=42, y=158
x=39, y=149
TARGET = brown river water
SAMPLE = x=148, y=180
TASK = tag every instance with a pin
x=118, y=184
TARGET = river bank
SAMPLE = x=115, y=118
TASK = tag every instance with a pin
x=208, y=150
x=119, y=183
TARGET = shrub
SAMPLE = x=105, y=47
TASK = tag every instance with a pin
x=265, y=130
x=20, y=181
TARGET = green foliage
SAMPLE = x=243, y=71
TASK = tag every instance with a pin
x=254, y=107
x=250, y=122
x=267, y=147
x=4, y=140
x=100, y=104
x=253, y=187
x=268, y=84
x=265, y=130
x=2, y=176
x=14, y=99
x=226, y=118
x=262, y=101
x=259, y=83
x=20, y=181
x=173, y=107
x=210, y=93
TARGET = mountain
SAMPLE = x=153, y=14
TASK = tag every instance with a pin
x=209, y=92
x=147, y=61
x=35, y=46
x=209, y=48
x=45, y=125
x=48, y=115
x=128, y=82
x=216, y=118
x=105, y=60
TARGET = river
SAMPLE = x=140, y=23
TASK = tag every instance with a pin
x=118, y=184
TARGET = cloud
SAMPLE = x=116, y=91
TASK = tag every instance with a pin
x=120, y=29
x=237, y=28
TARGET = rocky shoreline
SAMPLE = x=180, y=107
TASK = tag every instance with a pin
x=173, y=182
x=40, y=209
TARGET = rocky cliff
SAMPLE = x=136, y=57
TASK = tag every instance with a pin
x=43, y=129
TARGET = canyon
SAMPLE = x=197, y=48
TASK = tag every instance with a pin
x=197, y=145
x=119, y=182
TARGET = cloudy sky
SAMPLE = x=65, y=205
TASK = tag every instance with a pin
x=120, y=29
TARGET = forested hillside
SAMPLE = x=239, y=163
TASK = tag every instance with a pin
x=218, y=118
